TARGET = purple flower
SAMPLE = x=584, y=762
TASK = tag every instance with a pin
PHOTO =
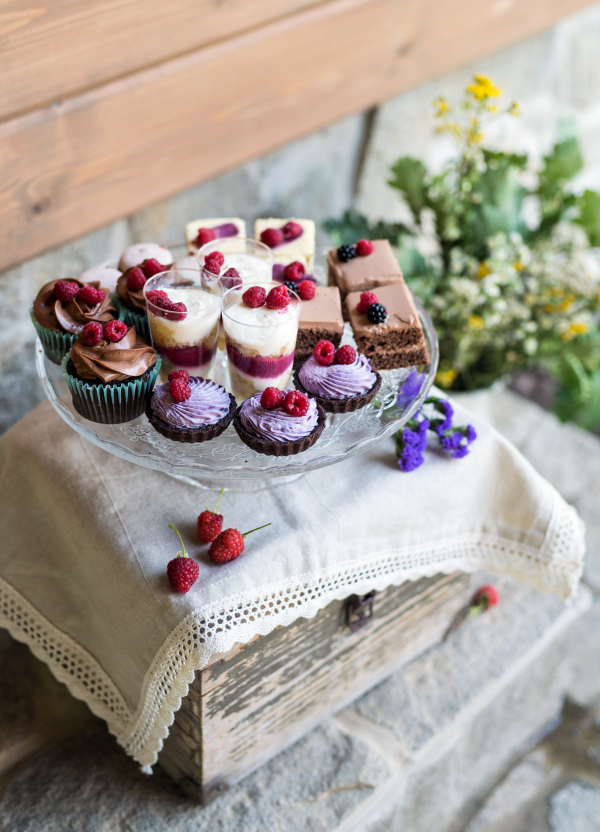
x=460, y=452
x=410, y=459
x=447, y=410
x=470, y=434
x=449, y=443
x=410, y=389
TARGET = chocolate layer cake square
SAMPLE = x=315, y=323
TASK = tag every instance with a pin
x=399, y=342
x=380, y=268
x=320, y=318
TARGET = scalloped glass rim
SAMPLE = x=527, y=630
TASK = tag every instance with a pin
x=226, y=458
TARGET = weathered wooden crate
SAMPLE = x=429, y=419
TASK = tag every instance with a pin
x=248, y=705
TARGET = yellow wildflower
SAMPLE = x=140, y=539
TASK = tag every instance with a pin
x=476, y=322
x=515, y=109
x=574, y=330
x=567, y=301
x=518, y=266
x=445, y=378
x=483, y=88
x=491, y=108
x=483, y=270
x=441, y=106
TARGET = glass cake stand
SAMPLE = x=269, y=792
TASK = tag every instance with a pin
x=226, y=461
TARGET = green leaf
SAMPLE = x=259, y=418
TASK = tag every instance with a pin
x=409, y=177
x=589, y=215
x=354, y=226
x=562, y=163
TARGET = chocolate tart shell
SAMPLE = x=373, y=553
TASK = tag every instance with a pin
x=200, y=433
x=347, y=405
x=271, y=447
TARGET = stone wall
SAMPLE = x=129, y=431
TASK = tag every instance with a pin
x=556, y=77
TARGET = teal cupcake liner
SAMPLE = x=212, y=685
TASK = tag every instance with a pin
x=111, y=404
x=140, y=322
x=56, y=344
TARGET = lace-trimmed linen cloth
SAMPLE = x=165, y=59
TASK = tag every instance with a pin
x=85, y=544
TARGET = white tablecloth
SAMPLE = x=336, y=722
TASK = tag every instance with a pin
x=85, y=544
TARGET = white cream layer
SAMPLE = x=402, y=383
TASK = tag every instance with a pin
x=249, y=267
x=268, y=331
x=203, y=312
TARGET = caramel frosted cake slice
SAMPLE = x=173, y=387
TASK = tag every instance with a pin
x=367, y=265
x=387, y=328
x=289, y=240
x=320, y=319
x=200, y=232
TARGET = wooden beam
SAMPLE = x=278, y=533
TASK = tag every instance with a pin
x=74, y=166
x=54, y=50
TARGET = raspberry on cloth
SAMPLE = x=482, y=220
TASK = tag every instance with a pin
x=83, y=582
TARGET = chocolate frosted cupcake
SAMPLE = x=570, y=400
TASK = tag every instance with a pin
x=199, y=410
x=279, y=422
x=343, y=384
x=131, y=302
x=111, y=372
x=61, y=310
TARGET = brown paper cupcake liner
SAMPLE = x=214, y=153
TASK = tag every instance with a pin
x=347, y=405
x=272, y=447
x=193, y=434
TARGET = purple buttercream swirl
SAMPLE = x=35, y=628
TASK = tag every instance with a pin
x=208, y=404
x=337, y=381
x=277, y=424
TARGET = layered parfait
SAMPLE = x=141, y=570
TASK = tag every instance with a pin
x=261, y=325
x=183, y=309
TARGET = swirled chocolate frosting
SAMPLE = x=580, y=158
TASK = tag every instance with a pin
x=131, y=299
x=73, y=315
x=107, y=361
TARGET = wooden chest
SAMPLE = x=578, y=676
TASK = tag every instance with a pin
x=249, y=704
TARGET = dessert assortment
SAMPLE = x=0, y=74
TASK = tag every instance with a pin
x=113, y=330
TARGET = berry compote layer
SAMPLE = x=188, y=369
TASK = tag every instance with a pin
x=189, y=344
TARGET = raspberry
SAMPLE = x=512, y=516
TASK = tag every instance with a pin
x=345, y=253
x=182, y=571
x=377, y=313
x=210, y=523
x=136, y=279
x=254, y=297
x=272, y=237
x=65, y=290
x=291, y=230
x=212, y=266
x=324, y=353
x=345, y=355
x=296, y=403
x=180, y=390
x=171, y=311
x=278, y=298
x=159, y=298
x=114, y=331
x=271, y=398
x=92, y=333
x=179, y=374
x=229, y=544
x=231, y=273
x=486, y=596
x=306, y=289
x=90, y=295
x=366, y=299
x=205, y=235
x=294, y=271
x=151, y=267
x=176, y=312
x=216, y=256
x=231, y=278
x=364, y=248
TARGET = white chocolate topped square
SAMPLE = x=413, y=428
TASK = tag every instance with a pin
x=301, y=248
x=226, y=229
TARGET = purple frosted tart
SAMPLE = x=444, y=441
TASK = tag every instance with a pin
x=339, y=388
x=205, y=414
x=275, y=432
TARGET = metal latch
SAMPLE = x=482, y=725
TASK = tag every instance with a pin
x=359, y=610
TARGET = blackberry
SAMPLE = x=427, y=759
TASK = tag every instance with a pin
x=346, y=253
x=290, y=284
x=377, y=313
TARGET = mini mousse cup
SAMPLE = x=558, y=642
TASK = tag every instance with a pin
x=260, y=341
x=253, y=261
x=185, y=341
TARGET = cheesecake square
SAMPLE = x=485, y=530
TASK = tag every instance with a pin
x=225, y=228
x=380, y=268
x=300, y=247
x=399, y=341
x=320, y=318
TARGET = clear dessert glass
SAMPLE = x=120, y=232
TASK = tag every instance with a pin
x=253, y=261
x=185, y=341
x=260, y=342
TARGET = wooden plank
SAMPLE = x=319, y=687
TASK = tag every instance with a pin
x=270, y=693
x=72, y=167
x=50, y=51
